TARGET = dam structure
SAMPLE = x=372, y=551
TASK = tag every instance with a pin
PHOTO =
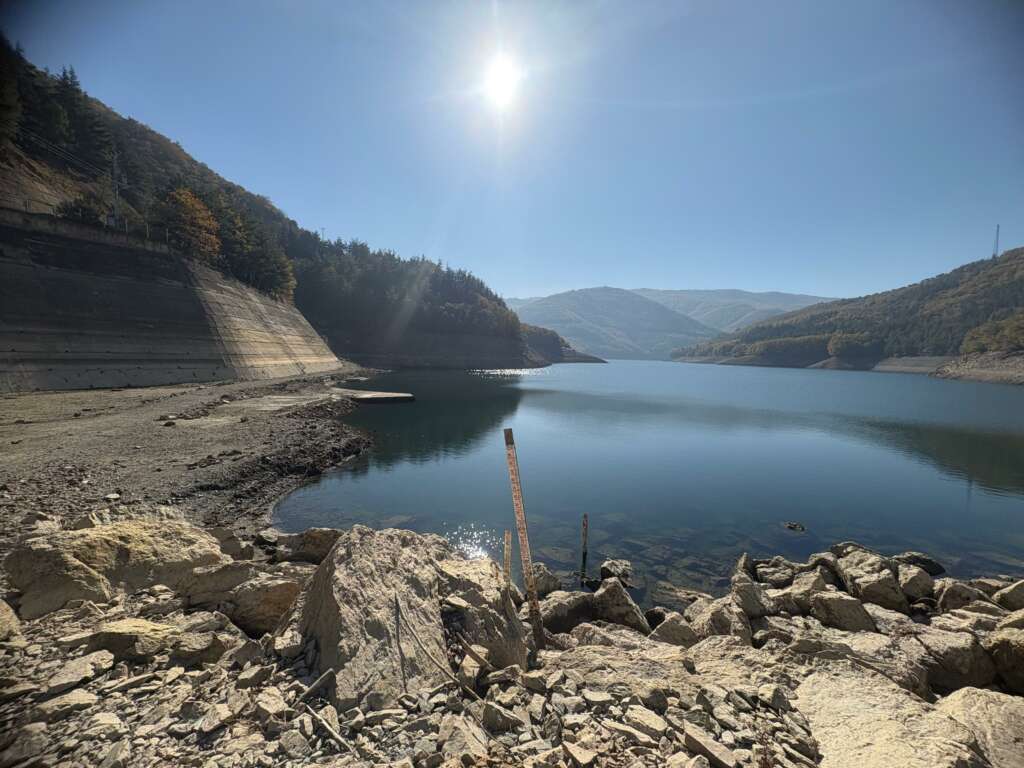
x=84, y=307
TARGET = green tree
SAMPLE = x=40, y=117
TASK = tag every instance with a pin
x=88, y=208
x=10, y=102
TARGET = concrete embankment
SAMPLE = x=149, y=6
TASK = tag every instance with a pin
x=83, y=308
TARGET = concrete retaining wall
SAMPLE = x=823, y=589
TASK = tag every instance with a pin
x=83, y=308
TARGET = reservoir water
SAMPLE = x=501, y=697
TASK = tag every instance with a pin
x=680, y=468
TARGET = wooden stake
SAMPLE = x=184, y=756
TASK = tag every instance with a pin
x=508, y=559
x=583, y=551
x=524, y=540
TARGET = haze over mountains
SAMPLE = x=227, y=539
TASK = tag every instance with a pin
x=642, y=323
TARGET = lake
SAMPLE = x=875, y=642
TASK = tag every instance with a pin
x=682, y=467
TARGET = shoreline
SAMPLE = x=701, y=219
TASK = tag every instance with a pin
x=222, y=453
x=988, y=368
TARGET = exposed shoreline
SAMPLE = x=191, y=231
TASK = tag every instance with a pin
x=188, y=634
x=233, y=449
x=992, y=367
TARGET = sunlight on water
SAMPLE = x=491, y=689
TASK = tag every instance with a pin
x=475, y=541
x=509, y=373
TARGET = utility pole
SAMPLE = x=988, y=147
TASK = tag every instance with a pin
x=995, y=251
x=114, y=180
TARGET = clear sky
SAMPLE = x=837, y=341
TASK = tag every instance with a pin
x=833, y=148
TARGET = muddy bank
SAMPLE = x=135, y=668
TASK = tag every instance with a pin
x=220, y=453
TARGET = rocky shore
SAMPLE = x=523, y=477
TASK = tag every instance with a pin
x=138, y=638
x=149, y=618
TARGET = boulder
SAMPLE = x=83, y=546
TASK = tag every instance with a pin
x=1014, y=621
x=996, y=720
x=210, y=586
x=674, y=630
x=668, y=595
x=350, y=610
x=613, y=603
x=871, y=578
x=617, y=569
x=605, y=633
x=805, y=585
x=1012, y=597
x=930, y=566
x=27, y=742
x=63, y=706
x=915, y=582
x=751, y=596
x=839, y=610
x=93, y=563
x=132, y=639
x=192, y=649
x=561, y=611
x=257, y=605
x=777, y=573
x=78, y=671
x=703, y=744
x=953, y=659
x=309, y=546
x=545, y=581
x=9, y=624
x=1006, y=647
x=462, y=740
x=952, y=594
x=484, y=614
x=862, y=719
x=721, y=617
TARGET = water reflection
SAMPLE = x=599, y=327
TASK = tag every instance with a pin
x=680, y=471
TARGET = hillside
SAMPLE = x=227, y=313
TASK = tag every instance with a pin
x=615, y=323
x=62, y=149
x=975, y=308
x=729, y=309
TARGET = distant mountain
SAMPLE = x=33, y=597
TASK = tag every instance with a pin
x=974, y=308
x=729, y=309
x=613, y=322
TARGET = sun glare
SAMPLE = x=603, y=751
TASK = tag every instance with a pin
x=501, y=81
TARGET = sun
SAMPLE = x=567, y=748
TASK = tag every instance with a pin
x=501, y=81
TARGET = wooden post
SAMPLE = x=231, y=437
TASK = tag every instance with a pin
x=583, y=551
x=524, y=540
x=508, y=559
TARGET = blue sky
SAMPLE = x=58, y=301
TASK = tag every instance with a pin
x=833, y=148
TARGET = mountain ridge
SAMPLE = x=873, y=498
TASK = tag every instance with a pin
x=971, y=309
x=613, y=322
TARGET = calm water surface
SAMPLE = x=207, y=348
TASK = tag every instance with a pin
x=682, y=467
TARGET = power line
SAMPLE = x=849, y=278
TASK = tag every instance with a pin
x=61, y=152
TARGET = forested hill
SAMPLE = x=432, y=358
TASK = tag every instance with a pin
x=62, y=151
x=614, y=323
x=974, y=308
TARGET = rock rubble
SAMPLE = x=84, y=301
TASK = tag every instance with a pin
x=146, y=641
